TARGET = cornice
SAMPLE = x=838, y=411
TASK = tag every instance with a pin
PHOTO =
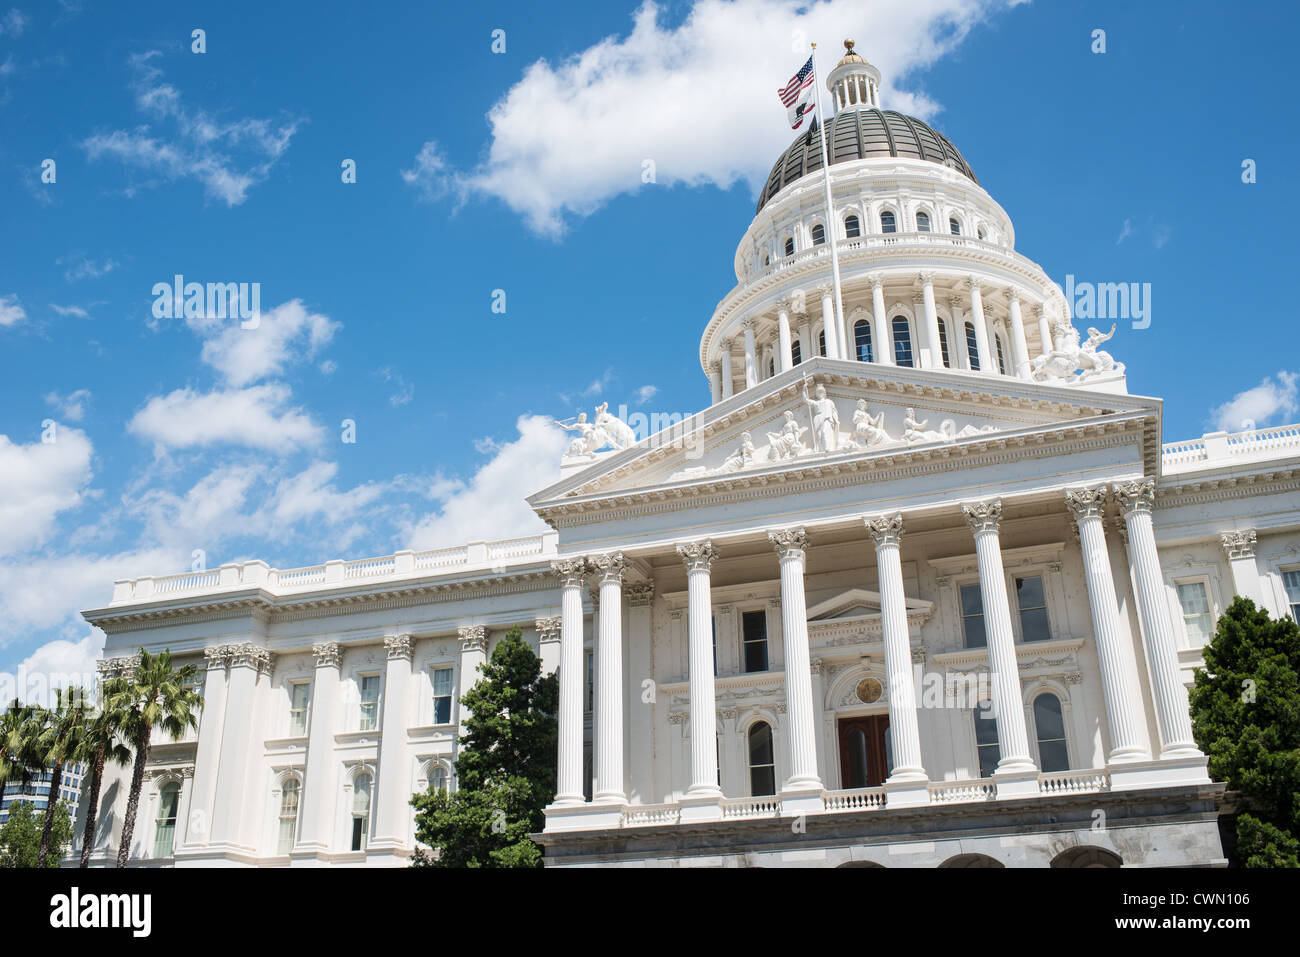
x=974, y=658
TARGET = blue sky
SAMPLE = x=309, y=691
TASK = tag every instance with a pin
x=521, y=171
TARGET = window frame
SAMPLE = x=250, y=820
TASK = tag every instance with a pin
x=170, y=784
x=750, y=766
x=293, y=685
x=857, y=226
x=894, y=320
x=744, y=643
x=893, y=221
x=812, y=234
x=360, y=678
x=969, y=581
x=1013, y=596
x=1204, y=581
x=923, y=214
x=282, y=791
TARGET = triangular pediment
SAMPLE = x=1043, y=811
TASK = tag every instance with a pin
x=869, y=413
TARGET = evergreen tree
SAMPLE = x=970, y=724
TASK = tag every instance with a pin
x=505, y=772
x=1246, y=718
x=20, y=836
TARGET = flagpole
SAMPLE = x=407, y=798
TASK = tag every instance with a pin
x=832, y=234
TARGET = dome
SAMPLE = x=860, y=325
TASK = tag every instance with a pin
x=861, y=134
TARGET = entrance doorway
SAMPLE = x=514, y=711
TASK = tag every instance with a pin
x=864, y=751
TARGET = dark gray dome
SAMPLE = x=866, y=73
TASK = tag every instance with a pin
x=860, y=134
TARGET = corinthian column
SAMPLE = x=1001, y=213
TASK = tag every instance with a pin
x=1240, y=548
x=884, y=341
x=751, y=361
x=984, y=519
x=728, y=383
x=393, y=791
x=987, y=364
x=828, y=322
x=1136, y=500
x=935, y=360
x=609, y=680
x=908, y=771
x=1019, y=345
x=698, y=557
x=1114, y=653
x=790, y=544
x=571, y=572
x=785, y=358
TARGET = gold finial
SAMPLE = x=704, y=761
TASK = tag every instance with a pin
x=848, y=44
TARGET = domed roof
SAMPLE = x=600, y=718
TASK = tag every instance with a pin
x=861, y=134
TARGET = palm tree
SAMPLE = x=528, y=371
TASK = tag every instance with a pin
x=17, y=754
x=154, y=695
x=101, y=744
x=59, y=741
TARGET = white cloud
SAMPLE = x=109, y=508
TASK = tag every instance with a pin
x=1255, y=407
x=210, y=511
x=311, y=494
x=570, y=136
x=81, y=267
x=646, y=393
x=286, y=333
x=37, y=482
x=13, y=22
x=1125, y=232
x=71, y=406
x=491, y=504
x=256, y=417
x=11, y=313
x=198, y=145
x=70, y=311
x=58, y=664
x=405, y=390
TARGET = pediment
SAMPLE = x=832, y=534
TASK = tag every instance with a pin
x=869, y=413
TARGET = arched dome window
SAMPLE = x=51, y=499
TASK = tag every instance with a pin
x=943, y=344
x=762, y=766
x=852, y=226
x=902, y=341
x=982, y=233
x=888, y=224
x=972, y=348
x=818, y=234
x=789, y=245
x=1002, y=356
x=1049, y=725
x=862, y=340
x=796, y=353
x=922, y=222
x=954, y=226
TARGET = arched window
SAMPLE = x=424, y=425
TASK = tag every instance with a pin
x=902, y=342
x=852, y=226
x=821, y=343
x=1049, y=723
x=943, y=344
x=438, y=778
x=818, y=234
x=762, y=766
x=789, y=245
x=767, y=260
x=169, y=799
x=1002, y=356
x=922, y=222
x=982, y=233
x=954, y=226
x=289, y=800
x=972, y=348
x=986, y=738
x=862, y=339
x=796, y=354
x=360, y=811
x=887, y=222
x=771, y=368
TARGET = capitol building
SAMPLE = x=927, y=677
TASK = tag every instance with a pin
x=923, y=585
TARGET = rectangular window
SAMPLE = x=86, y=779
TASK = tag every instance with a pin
x=986, y=739
x=754, y=629
x=1032, y=602
x=1196, y=612
x=1291, y=580
x=369, y=703
x=299, y=695
x=442, y=696
x=590, y=695
x=972, y=616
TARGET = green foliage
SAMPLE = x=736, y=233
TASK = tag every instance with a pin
x=1246, y=718
x=20, y=836
x=505, y=772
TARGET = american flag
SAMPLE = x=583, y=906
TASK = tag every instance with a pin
x=797, y=95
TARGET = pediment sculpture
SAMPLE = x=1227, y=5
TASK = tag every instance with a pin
x=608, y=431
x=1073, y=361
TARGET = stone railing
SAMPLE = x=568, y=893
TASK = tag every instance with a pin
x=649, y=815
x=962, y=792
x=751, y=807
x=852, y=249
x=1219, y=447
x=857, y=799
x=257, y=574
x=1073, y=782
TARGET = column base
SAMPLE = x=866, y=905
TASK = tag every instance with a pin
x=702, y=806
x=907, y=791
x=583, y=817
x=1167, y=772
x=1128, y=757
x=802, y=799
x=1016, y=782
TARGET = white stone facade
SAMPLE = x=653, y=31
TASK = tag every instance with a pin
x=826, y=575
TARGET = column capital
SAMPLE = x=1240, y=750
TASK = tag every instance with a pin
x=608, y=567
x=398, y=646
x=824, y=289
x=123, y=666
x=716, y=367
x=1239, y=544
x=876, y=280
x=983, y=516
x=572, y=571
x=788, y=541
x=975, y=283
x=1135, y=496
x=640, y=594
x=885, y=529
x=548, y=629
x=246, y=654
x=697, y=555
x=726, y=343
x=785, y=304
x=1087, y=502
x=956, y=302
x=749, y=323
x=327, y=654
x=472, y=637
x=1013, y=294
x=927, y=278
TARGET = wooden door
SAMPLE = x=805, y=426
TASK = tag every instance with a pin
x=864, y=756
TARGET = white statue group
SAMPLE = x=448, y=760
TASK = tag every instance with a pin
x=608, y=430
x=1072, y=360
